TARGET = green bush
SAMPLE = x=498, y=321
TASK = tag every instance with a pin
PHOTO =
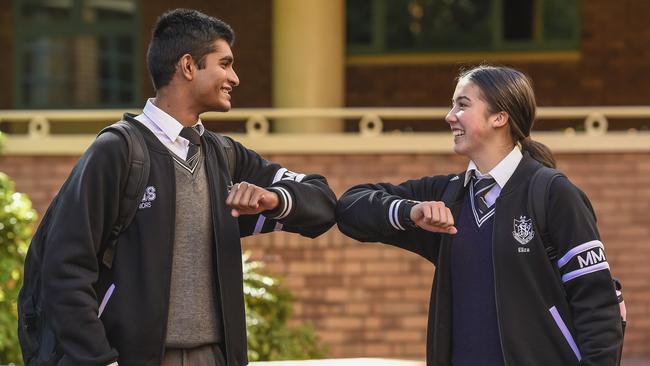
x=16, y=225
x=268, y=309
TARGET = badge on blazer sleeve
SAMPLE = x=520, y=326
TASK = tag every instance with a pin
x=523, y=230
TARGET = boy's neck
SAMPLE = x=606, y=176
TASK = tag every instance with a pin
x=177, y=107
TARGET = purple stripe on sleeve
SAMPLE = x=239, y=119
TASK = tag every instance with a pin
x=565, y=331
x=107, y=296
x=581, y=272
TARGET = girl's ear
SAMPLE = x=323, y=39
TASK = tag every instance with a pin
x=500, y=119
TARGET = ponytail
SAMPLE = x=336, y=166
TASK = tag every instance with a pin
x=538, y=151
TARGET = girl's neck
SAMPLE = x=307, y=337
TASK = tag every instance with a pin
x=487, y=160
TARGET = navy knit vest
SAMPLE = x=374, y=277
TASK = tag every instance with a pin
x=475, y=332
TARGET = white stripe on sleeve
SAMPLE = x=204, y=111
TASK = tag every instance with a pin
x=393, y=214
x=287, y=200
x=577, y=250
x=279, y=174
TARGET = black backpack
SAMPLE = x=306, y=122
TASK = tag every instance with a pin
x=37, y=341
x=540, y=185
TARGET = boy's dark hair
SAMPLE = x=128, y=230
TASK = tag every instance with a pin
x=179, y=32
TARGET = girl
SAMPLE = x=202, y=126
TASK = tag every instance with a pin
x=497, y=299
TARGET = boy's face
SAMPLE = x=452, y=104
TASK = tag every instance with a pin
x=214, y=82
x=470, y=121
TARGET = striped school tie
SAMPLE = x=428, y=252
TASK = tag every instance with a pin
x=480, y=188
x=192, y=135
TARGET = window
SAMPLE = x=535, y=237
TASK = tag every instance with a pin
x=76, y=53
x=410, y=26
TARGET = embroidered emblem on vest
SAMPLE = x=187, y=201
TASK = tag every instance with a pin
x=523, y=230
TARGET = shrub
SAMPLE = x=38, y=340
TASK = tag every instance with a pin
x=268, y=309
x=16, y=225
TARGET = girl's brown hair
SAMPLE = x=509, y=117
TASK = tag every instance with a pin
x=508, y=90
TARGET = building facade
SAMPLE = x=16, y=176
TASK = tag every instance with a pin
x=364, y=300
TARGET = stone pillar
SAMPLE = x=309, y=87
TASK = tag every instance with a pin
x=308, y=61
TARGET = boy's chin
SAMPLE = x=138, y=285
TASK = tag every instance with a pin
x=222, y=107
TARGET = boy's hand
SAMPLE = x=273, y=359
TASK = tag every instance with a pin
x=248, y=199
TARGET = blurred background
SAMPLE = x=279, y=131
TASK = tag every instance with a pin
x=355, y=90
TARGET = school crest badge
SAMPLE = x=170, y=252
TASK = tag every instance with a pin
x=523, y=230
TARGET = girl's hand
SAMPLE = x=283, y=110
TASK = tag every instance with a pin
x=433, y=216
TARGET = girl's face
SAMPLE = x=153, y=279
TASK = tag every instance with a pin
x=470, y=121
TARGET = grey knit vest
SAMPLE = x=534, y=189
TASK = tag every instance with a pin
x=194, y=315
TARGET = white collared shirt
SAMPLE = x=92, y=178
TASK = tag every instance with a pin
x=501, y=173
x=167, y=128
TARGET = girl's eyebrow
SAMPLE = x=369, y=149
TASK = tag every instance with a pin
x=461, y=97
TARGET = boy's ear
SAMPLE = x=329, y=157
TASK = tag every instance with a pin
x=500, y=119
x=186, y=66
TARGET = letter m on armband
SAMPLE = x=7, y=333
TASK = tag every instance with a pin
x=582, y=260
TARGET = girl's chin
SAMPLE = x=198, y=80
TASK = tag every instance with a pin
x=459, y=148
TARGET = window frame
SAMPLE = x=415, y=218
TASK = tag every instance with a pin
x=75, y=26
x=377, y=47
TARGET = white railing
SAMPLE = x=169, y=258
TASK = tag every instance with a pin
x=371, y=138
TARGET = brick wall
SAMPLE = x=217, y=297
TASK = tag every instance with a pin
x=6, y=45
x=371, y=299
x=614, y=55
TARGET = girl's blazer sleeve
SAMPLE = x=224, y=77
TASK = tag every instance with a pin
x=585, y=274
x=375, y=213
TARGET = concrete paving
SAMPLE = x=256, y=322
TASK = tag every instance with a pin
x=393, y=362
x=343, y=362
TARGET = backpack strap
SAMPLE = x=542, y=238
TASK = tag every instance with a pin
x=132, y=192
x=538, y=193
x=229, y=149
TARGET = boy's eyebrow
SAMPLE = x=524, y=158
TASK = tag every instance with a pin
x=227, y=58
